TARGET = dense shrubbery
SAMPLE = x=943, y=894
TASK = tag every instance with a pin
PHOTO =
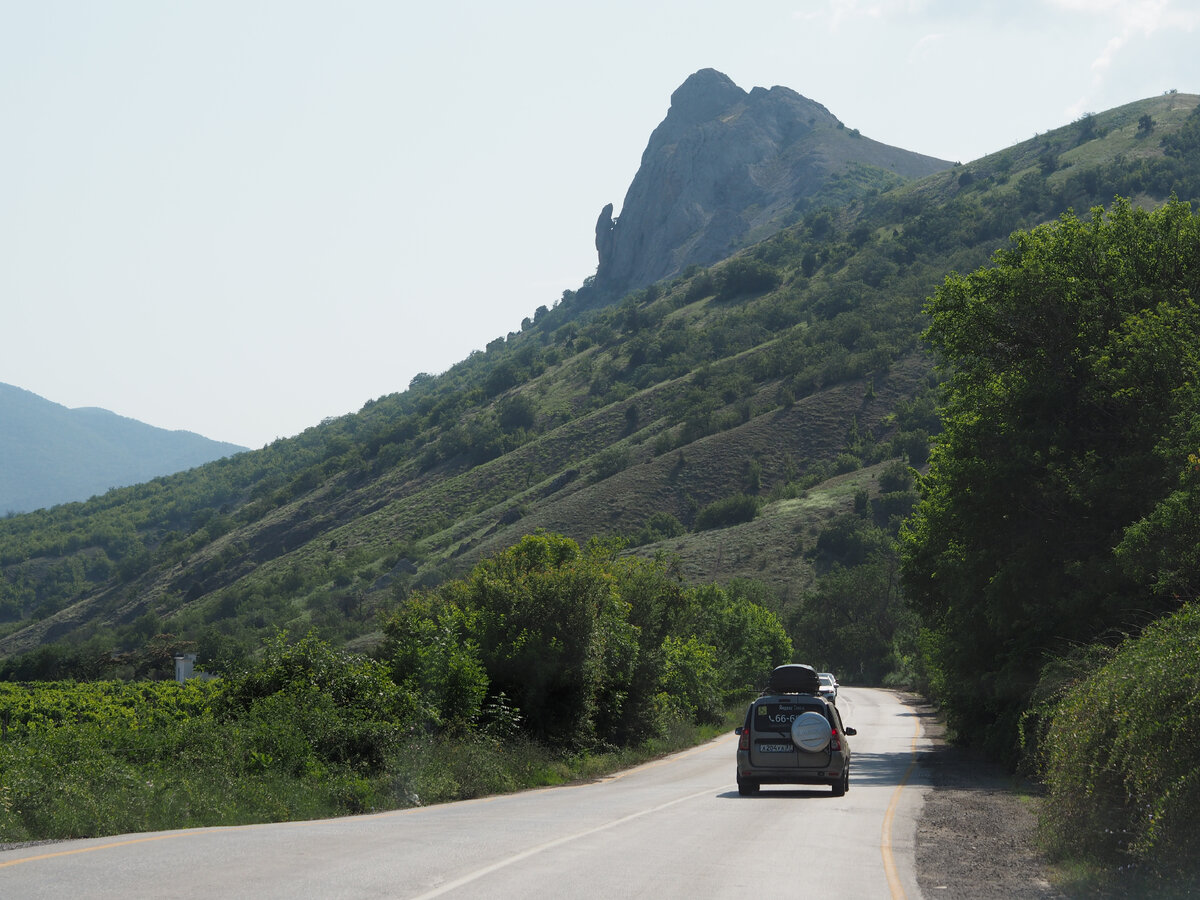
x=580, y=643
x=1120, y=755
x=309, y=705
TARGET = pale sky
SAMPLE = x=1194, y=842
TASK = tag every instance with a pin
x=239, y=218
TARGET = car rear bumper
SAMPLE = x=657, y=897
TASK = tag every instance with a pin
x=790, y=778
x=830, y=773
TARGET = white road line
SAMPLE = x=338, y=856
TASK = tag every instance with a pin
x=533, y=851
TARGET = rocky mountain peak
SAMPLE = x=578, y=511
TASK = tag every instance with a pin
x=724, y=164
x=703, y=96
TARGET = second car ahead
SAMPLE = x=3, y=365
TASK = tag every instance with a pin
x=829, y=686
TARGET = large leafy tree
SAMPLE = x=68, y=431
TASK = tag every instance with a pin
x=1069, y=406
x=589, y=648
x=554, y=635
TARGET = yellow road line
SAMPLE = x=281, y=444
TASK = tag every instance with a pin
x=885, y=844
x=76, y=850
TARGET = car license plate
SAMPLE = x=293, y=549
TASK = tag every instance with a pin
x=775, y=748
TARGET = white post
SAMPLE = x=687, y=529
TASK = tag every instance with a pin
x=183, y=666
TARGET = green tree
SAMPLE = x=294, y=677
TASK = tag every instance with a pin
x=690, y=682
x=743, y=276
x=554, y=636
x=1071, y=364
x=850, y=621
x=517, y=411
x=433, y=652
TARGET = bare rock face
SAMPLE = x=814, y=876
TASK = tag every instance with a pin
x=723, y=167
x=604, y=235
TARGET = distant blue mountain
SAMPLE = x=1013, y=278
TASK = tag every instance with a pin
x=50, y=454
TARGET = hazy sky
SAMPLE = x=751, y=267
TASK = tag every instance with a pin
x=238, y=218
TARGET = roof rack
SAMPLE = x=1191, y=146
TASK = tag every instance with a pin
x=794, y=678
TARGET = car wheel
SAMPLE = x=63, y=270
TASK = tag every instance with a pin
x=746, y=788
x=842, y=784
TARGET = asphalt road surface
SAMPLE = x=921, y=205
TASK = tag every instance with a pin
x=672, y=828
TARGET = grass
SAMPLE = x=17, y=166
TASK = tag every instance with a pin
x=772, y=548
x=97, y=781
x=1083, y=878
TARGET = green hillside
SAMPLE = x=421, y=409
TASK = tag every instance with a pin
x=764, y=377
x=594, y=537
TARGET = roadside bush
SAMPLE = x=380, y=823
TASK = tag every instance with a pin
x=316, y=705
x=91, y=779
x=749, y=640
x=1121, y=755
x=851, y=620
x=577, y=647
x=549, y=662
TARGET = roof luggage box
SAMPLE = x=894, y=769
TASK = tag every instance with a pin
x=793, y=679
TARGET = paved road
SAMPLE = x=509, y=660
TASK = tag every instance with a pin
x=672, y=828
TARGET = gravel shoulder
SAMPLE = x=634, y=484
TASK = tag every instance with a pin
x=976, y=837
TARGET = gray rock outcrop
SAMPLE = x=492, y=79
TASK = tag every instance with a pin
x=726, y=167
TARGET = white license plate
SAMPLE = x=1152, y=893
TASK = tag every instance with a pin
x=775, y=748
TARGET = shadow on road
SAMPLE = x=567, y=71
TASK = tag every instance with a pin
x=769, y=791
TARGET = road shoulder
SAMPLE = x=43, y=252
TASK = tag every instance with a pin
x=976, y=836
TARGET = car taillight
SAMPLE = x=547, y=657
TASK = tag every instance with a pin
x=744, y=740
x=834, y=743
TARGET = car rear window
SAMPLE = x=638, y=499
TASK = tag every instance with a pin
x=777, y=715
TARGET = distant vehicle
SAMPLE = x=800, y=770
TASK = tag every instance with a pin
x=793, y=735
x=829, y=686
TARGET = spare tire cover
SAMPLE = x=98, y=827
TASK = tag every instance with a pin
x=811, y=732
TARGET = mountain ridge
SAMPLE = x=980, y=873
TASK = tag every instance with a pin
x=51, y=454
x=771, y=374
